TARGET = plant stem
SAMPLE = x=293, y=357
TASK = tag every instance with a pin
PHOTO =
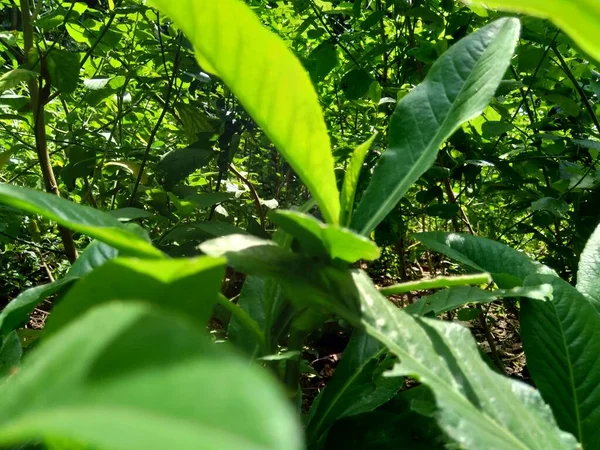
x=37, y=107
x=437, y=283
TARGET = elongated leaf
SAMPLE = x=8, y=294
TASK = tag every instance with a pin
x=306, y=282
x=269, y=81
x=478, y=407
x=508, y=267
x=450, y=299
x=14, y=77
x=18, y=310
x=358, y=385
x=588, y=275
x=399, y=424
x=201, y=231
x=561, y=339
x=83, y=219
x=351, y=180
x=251, y=300
x=579, y=19
x=255, y=256
x=10, y=354
x=457, y=88
x=131, y=379
x=322, y=240
x=172, y=284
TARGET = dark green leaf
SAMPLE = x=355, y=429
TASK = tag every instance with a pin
x=561, y=339
x=182, y=162
x=508, y=267
x=356, y=83
x=358, y=385
x=457, y=88
x=63, y=67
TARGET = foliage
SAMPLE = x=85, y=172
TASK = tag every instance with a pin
x=177, y=297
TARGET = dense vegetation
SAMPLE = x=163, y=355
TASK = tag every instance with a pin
x=370, y=224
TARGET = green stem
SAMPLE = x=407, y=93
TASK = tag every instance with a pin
x=437, y=283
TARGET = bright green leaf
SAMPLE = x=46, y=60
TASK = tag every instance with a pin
x=351, y=180
x=580, y=19
x=450, y=299
x=508, y=267
x=270, y=82
x=171, y=284
x=83, y=219
x=322, y=240
x=15, y=77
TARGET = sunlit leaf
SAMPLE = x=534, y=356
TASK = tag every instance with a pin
x=83, y=219
x=270, y=82
x=580, y=19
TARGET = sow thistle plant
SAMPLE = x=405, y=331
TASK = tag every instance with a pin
x=125, y=361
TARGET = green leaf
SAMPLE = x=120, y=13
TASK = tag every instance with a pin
x=128, y=214
x=450, y=299
x=10, y=354
x=255, y=256
x=83, y=219
x=251, y=300
x=588, y=275
x=269, y=81
x=208, y=199
x=457, y=88
x=351, y=180
x=552, y=205
x=15, y=77
x=306, y=282
x=357, y=386
x=386, y=428
x=561, y=339
x=579, y=19
x=178, y=164
x=171, y=284
x=63, y=67
x=18, y=310
x=356, y=83
x=201, y=231
x=322, y=240
x=508, y=267
x=132, y=379
x=478, y=408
